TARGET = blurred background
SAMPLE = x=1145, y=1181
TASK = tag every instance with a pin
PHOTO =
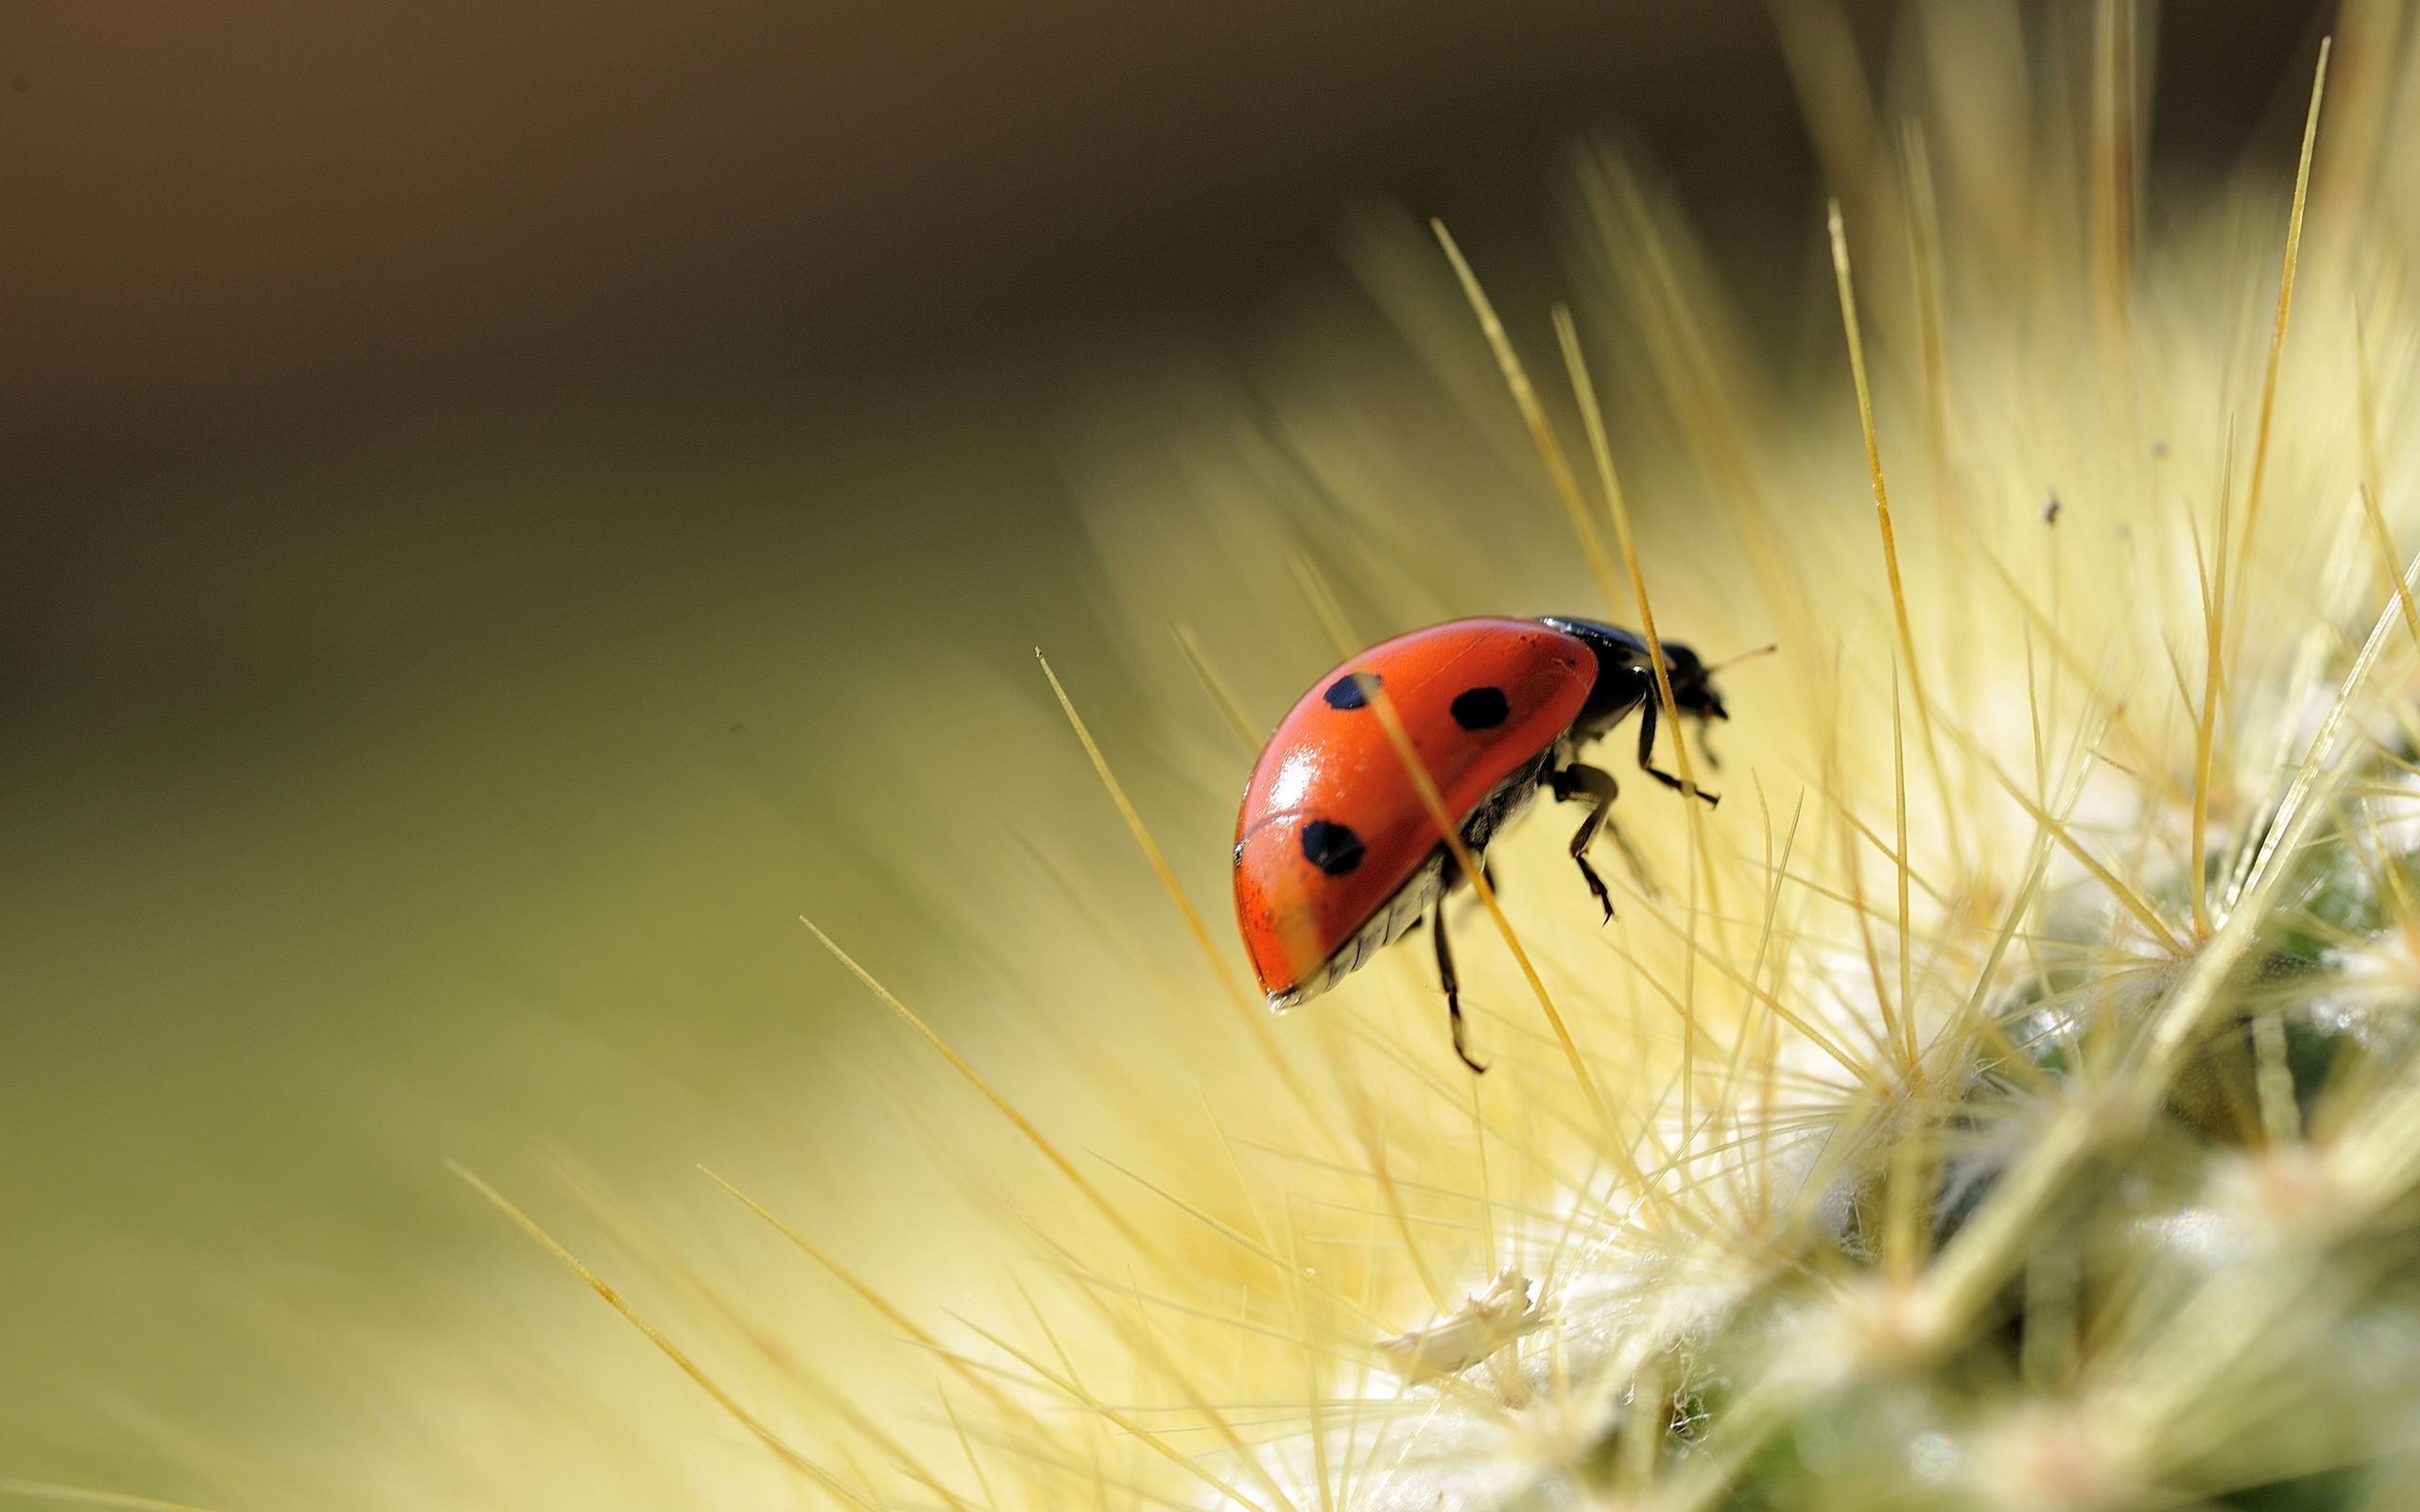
x=500, y=505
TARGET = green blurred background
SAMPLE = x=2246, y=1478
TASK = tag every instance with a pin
x=501, y=504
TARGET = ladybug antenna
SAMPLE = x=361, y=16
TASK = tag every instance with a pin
x=1766, y=650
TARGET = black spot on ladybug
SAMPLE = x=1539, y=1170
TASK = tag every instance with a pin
x=1481, y=708
x=1345, y=692
x=1332, y=847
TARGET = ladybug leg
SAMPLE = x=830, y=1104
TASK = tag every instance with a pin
x=1452, y=983
x=1575, y=781
x=1646, y=754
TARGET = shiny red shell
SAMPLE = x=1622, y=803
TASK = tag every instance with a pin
x=1480, y=700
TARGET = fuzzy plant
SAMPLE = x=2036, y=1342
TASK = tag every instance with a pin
x=2007, y=1097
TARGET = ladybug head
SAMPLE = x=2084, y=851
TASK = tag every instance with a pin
x=1692, y=683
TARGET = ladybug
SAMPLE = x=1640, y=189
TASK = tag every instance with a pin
x=1337, y=856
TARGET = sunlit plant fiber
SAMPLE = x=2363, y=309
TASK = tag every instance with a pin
x=2009, y=1096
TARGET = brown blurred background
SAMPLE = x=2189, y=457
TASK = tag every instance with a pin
x=241, y=222
x=463, y=465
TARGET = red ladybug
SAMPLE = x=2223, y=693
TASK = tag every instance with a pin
x=1335, y=855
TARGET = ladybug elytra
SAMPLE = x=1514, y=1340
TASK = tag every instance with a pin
x=1335, y=854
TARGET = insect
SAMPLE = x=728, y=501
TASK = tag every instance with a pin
x=1335, y=854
